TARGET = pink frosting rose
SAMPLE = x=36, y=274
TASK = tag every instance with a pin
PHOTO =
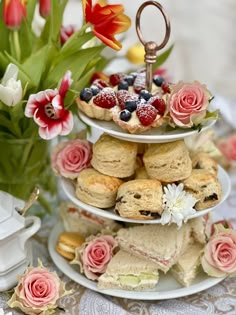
x=228, y=148
x=96, y=254
x=219, y=257
x=38, y=291
x=71, y=157
x=187, y=104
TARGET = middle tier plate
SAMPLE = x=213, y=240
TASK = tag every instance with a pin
x=69, y=189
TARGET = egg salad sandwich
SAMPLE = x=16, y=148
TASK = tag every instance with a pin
x=162, y=245
x=128, y=272
x=187, y=267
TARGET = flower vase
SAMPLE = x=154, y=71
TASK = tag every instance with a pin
x=24, y=164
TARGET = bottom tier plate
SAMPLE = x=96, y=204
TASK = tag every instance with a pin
x=167, y=287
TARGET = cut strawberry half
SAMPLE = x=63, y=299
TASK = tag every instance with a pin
x=123, y=96
x=105, y=99
x=99, y=83
x=116, y=78
x=146, y=114
x=158, y=103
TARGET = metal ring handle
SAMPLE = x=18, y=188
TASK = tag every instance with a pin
x=166, y=18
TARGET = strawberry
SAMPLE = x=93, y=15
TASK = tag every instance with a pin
x=106, y=98
x=101, y=84
x=116, y=78
x=123, y=96
x=158, y=103
x=140, y=82
x=146, y=114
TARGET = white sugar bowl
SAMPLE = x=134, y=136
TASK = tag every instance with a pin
x=15, y=230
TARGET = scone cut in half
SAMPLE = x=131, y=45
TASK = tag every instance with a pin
x=168, y=162
x=114, y=157
x=140, y=199
x=96, y=189
x=161, y=244
x=128, y=272
x=204, y=186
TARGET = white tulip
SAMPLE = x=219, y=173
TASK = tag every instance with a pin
x=10, y=88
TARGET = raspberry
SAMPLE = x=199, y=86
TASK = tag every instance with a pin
x=159, y=104
x=99, y=83
x=123, y=96
x=105, y=99
x=116, y=78
x=140, y=82
x=165, y=87
x=146, y=114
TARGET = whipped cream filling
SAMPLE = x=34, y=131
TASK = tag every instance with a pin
x=66, y=248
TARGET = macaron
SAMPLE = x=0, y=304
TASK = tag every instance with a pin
x=67, y=243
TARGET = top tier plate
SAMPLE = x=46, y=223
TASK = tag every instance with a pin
x=154, y=135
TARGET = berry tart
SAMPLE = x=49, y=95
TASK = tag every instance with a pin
x=97, y=101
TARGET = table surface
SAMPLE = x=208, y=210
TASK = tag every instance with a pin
x=220, y=299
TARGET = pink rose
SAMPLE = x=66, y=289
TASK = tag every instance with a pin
x=228, y=148
x=71, y=157
x=94, y=255
x=188, y=103
x=219, y=257
x=38, y=291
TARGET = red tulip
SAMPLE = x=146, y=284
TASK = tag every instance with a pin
x=13, y=13
x=44, y=7
x=106, y=21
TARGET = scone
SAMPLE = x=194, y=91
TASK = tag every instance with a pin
x=114, y=157
x=96, y=189
x=202, y=160
x=140, y=199
x=168, y=162
x=205, y=187
x=99, y=106
x=67, y=243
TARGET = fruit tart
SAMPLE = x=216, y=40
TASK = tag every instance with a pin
x=97, y=101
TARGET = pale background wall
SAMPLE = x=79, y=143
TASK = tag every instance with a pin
x=203, y=32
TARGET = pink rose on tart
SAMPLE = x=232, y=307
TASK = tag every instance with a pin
x=94, y=255
x=187, y=104
x=71, y=157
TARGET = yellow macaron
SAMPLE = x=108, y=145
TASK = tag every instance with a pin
x=67, y=243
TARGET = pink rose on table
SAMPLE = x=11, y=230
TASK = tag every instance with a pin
x=219, y=257
x=188, y=103
x=71, y=157
x=228, y=147
x=38, y=291
x=94, y=256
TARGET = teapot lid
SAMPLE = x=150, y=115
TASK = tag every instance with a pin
x=10, y=220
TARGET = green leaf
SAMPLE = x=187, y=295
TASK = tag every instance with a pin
x=162, y=57
x=26, y=39
x=31, y=5
x=4, y=31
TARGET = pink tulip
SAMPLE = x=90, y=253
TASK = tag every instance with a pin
x=44, y=7
x=13, y=13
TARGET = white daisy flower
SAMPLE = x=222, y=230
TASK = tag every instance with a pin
x=178, y=205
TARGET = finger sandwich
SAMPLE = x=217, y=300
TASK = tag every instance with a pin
x=128, y=272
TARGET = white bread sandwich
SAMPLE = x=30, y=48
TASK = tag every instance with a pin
x=187, y=267
x=128, y=272
x=160, y=244
x=200, y=228
x=83, y=222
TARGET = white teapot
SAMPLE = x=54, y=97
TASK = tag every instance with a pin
x=15, y=230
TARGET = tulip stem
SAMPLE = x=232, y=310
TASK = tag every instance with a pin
x=17, y=44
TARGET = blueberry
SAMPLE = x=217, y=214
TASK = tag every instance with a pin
x=145, y=95
x=158, y=80
x=131, y=105
x=123, y=85
x=86, y=94
x=129, y=79
x=95, y=90
x=125, y=115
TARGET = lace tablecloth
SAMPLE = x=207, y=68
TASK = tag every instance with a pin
x=220, y=299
